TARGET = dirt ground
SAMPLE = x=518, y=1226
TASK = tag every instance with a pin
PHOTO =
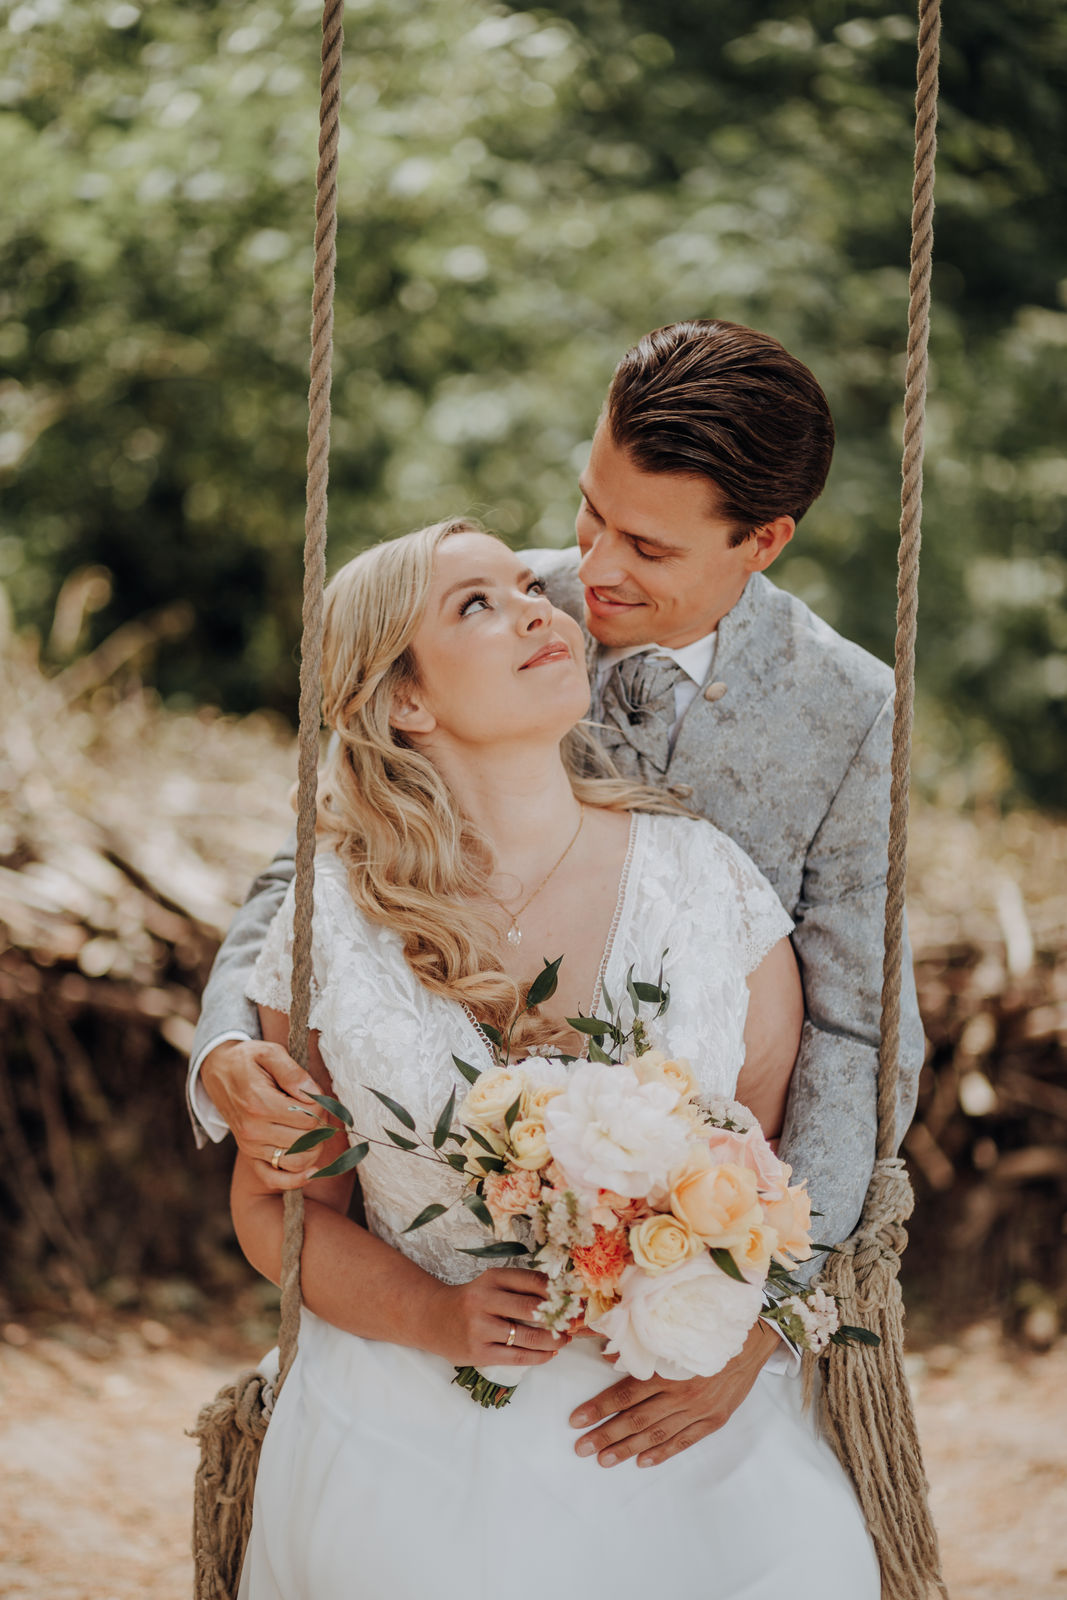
x=95, y=1468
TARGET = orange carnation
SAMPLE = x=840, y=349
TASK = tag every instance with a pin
x=601, y=1263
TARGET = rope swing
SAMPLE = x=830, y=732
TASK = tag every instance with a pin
x=231, y=1428
x=867, y=1410
x=866, y=1404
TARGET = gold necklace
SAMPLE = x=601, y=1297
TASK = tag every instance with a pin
x=514, y=933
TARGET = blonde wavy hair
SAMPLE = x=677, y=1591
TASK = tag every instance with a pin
x=415, y=863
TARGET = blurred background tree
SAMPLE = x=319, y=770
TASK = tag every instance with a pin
x=523, y=193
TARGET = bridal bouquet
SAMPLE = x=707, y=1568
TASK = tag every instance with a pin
x=663, y=1220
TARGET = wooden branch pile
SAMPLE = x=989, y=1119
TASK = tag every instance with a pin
x=988, y=1147
x=127, y=836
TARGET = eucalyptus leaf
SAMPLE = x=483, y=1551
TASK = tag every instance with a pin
x=399, y=1112
x=457, y=1162
x=426, y=1216
x=608, y=1001
x=479, y=1138
x=344, y=1163
x=852, y=1335
x=544, y=985
x=635, y=1000
x=503, y=1247
x=475, y=1203
x=472, y=1074
x=399, y=1140
x=444, y=1122
x=491, y=1163
x=512, y=1112
x=599, y=1055
x=651, y=993
x=723, y=1259
x=308, y=1141
x=492, y=1033
x=590, y=1025
x=335, y=1108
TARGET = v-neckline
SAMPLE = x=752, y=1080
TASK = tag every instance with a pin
x=609, y=944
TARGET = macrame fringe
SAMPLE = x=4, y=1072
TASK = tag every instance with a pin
x=866, y=1409
x=230, y=1429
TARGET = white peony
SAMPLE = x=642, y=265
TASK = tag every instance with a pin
x=608, y=1131
x=686, y=1323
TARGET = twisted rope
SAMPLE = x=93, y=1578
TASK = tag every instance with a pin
x=318, y=469
x=867, y=1406
x=922, y=247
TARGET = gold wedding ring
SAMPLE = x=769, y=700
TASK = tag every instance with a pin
x=276, y=1159
x=510, y=1340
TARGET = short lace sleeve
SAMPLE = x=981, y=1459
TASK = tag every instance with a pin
x=761, y=918
x=272, y=977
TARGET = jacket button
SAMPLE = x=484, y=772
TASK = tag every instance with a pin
x=714, y=691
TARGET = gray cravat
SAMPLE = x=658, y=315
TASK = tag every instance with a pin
x=637, y=714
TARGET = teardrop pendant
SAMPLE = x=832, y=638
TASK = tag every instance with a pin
x=514, y=936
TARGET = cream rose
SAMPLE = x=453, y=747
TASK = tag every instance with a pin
x=655, y=1067
x=494, y=1093
x=528, y=1143
x=662, y=1242
x=682, y=1324
x=718, y=1203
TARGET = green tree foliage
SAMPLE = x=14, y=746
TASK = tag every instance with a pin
x=523, y=193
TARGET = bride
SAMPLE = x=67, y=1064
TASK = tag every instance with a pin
x=459, y=848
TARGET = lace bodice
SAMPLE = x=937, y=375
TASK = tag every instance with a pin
x=687, y=890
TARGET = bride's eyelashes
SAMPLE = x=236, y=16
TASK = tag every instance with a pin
x=535, y=586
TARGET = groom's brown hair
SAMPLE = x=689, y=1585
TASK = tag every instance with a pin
x=720, y=401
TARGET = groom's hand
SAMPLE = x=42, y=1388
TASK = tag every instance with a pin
x=656, y=1419
x=264, y=1097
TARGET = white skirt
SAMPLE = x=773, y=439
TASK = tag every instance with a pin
x=381, y=1480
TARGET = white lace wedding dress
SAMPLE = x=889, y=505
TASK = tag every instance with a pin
x=380, y=1479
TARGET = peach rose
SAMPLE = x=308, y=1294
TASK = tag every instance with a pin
x=528, y=1143
x=655, y=1067
x=751, y=1150
x=510, y=1194
x=753, y=1255
x=601, y=1263
x=717, y=1203
x=790, y=1218
x=662, y=1242
x=485, y=1103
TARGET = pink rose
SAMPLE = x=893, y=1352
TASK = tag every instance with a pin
x=751, y=1150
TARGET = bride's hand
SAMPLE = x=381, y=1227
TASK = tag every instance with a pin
x=469, y=1323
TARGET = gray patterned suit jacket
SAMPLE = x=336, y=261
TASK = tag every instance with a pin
x=791, y=760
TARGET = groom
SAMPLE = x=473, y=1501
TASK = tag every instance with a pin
x=712, y=682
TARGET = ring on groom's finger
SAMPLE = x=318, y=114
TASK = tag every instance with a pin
x=276, y=1159
x=510, y=1340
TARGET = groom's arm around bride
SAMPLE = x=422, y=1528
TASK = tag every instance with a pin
x=713, y=443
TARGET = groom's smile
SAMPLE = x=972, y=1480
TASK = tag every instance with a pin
x=659, y=564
